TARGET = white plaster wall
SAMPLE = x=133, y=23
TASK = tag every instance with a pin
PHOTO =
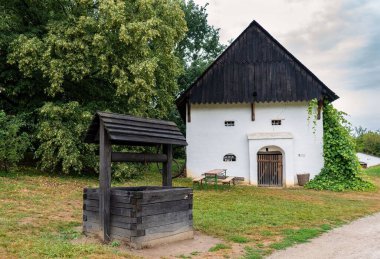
x=370, y=160
x=209, y=140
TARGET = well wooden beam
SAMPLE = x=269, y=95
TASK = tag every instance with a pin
x=105, y=151
x=139, y=157
x=188, y=112
x=167, y=166
x=253, y=111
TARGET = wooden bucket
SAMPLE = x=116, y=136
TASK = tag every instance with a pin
x=303, y=179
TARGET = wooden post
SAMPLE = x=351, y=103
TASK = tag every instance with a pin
x=253, y=111
x=105, y=151
x=188, y=111
x=320, y=105
x=167, y=166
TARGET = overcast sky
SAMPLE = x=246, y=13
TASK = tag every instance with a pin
x=338, y=40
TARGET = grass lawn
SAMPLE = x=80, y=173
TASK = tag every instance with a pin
x=40, y=216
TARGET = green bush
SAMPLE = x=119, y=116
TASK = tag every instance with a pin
x=127, y=171
x=341, y=165
x=369, y=143
x=13, y=142
x=60, y=131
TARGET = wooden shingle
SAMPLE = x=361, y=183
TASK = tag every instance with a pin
x=137, y=131
x=255, y=68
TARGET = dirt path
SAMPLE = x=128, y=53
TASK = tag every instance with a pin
x=359, y=239
x=196, y=248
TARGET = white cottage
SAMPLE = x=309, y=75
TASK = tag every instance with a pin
x=247, y=113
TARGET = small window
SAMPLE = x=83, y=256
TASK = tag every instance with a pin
x=229, y=158
x=229, y=123
x=276, y=122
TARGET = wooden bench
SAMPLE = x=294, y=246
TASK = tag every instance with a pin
x=232, y=179
x=198, y=180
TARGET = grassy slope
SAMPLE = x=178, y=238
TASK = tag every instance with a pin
x=40, y=216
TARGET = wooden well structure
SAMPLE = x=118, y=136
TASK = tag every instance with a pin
x=141, y=216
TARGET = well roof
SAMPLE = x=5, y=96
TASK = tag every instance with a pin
x=137, y=131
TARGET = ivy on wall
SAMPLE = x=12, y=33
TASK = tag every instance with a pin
x=341, y=165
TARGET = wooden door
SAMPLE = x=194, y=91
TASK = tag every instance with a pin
x=269, y=169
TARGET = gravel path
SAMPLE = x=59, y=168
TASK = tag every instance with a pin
x=359, y=239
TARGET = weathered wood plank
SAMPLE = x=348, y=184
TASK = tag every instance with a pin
x=157, y=213
x=113, y=121
x=138, y=157
x=105, y=150
x=135, y=133
x=167, y=166
x=133, y=118
x=165, y=218
x=92, y=227
x=123, y=212
x=95, y=204
x=137, y=140
x=166, y=195
x=163, y=207
x=147, y=209
x=114, y=198
x=168, y=130
x=163, y=231
x=188, y=108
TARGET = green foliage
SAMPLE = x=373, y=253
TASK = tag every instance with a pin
x=369, y=142
x=260, y=213
x=239, y=239
x=60, y=131
x=293, y=236
x=127, y=171
x=196, y=50
x=312, y=114
x=200, y=46
x=341, y=165
x=121, y=56
x=122, y=47
x=251, y=253
x=13, y=142
x=105, y=55
x=218, y=247
x=115, y=243
x=374, y=171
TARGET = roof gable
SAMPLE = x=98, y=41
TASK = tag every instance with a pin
x=255, y=68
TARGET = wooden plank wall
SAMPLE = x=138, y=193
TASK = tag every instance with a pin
x=255, y=68
x=140, y=217
x=269, y=169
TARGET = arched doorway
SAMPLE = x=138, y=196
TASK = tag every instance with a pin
x=270, y=167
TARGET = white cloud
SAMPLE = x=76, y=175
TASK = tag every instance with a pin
x=338, y=40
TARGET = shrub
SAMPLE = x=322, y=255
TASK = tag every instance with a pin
x=341, y=165
x=60, y=130
x=13, y=142
x=127, y=171
x=369, y=143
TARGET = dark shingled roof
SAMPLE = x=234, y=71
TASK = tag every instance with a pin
x=130, y=130
x=255, y=68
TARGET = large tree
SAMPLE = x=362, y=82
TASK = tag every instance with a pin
x=118, y=54
x=61, y=60
x=201, y=45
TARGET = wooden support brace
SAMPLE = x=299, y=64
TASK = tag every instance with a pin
x=253, y=111
x=167, y=168
x=188, y=112
x=139, y=157
x=105, y=151
x=320, y=106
